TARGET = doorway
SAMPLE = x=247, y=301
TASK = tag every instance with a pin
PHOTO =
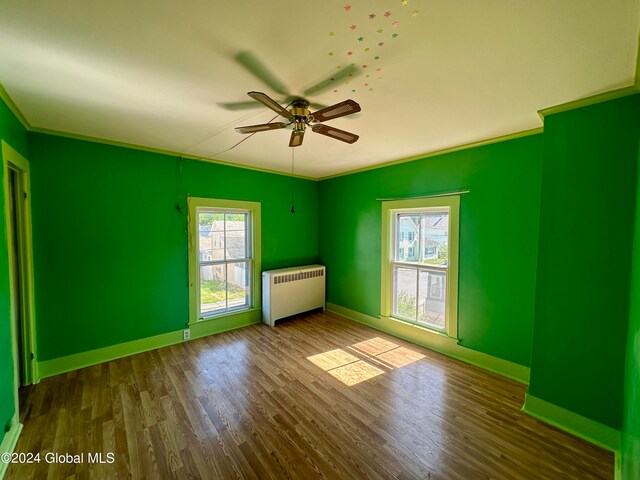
x=18, y=228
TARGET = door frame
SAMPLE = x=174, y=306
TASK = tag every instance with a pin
x=12, y=159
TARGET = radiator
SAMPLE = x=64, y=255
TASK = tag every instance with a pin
x=289, y=291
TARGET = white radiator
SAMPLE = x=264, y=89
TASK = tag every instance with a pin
x=288, y=291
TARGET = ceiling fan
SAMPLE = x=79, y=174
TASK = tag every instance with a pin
x=300, y=117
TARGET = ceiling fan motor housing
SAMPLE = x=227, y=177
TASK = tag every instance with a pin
x=300, y=112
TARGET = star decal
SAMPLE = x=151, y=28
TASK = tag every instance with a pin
x=335, y=91
x=372, y=16
x=376, y=58
x=367, y=75
x=378, y=69
x=380, y=44
x=364, y=66
x=404, y=2
x=415, y=13
x=352, y=27
x=387, y=14
x=360, y=39
x=380, y=30
x=366, y=49
x=349, y=53
x=332, y=34
x=331, y=54
x=395, y=24
x=366, y=84
x=395, y=35
x=353, y=91
x=347, y=8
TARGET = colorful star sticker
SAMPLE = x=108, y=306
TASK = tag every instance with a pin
x=349, y=53
x=366, y=84
x=372, y=16
x=360, y=39
x=366, y=49
x=395, y=24
x=352, y=27
x=380, y=30
x=338, y=67
x=331, y=34
x=378, y=69
x=370, y=89
x=347, y=8
x=404, y=2
x=331, y=54
x=353, y=91
x=367, y=75
x=364, y=66
x=376, y=58
x=380, y=44
x=395, y=35
x=387, y=14
x=415, y=13
x=335, y=91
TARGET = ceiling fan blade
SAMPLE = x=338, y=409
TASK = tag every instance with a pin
x=249, y=61
x=332, y=80
x=296, y=138
x=234, y=106
x=338, y=110
x=271, y=103
x=263, y=127
x=335, y=133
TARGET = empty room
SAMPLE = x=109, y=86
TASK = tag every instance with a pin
x=392, y=239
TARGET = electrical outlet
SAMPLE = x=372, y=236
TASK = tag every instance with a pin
x=186, y=334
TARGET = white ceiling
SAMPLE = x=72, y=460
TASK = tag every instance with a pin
x=153, y=72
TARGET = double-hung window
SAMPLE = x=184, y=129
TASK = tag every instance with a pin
x=224, y=257
x=420, y=262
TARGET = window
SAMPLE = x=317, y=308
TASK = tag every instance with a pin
x=224, y=256
x=420, y=285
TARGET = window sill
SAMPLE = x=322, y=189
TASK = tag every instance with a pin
x=225, y=315
x=420, y=328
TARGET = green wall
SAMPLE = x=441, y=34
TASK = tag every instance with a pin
x=12, y=132
x=110, y=247
x=498, y=237
x=586, y=231
x=631, y=425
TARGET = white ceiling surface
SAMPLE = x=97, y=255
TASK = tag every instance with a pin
x=153, y=73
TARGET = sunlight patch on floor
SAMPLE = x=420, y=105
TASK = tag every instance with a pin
x=352, y=370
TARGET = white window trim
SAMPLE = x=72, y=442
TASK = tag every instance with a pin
x=255, y=296
x=390, y=208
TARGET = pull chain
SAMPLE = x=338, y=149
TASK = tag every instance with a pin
x=293, y=179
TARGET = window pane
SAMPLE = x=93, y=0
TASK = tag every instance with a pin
x=236, y=235
x=405, y=283
x=213, y=296
x=407, y=228
x=205, y=236
x=238, y=284
x=435, y=239
x=431, y=298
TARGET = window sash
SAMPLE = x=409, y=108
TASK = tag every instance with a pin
x=247, y=259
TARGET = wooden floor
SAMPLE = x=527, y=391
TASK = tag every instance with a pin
x=315, y=397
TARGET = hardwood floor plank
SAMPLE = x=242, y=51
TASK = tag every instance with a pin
x=318, y=396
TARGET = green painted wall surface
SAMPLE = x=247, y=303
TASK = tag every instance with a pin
x=631, y=425
x=584, y=258
x=110, y=247
x=12, y=132
x=498, y=237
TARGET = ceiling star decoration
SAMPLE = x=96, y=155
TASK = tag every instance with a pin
x=366, y=49
x=380, y=30
x=404, y=2
x=347, y=8
x=395, y=24
x=364, y=66
x=353, y=27
x=395, y=35
x=360, y=39
x=332, y=34
x=330, y=54
x=415, y=13
x=380, y=44
x=349, y=53
x=387, y=14
x=372, y=16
